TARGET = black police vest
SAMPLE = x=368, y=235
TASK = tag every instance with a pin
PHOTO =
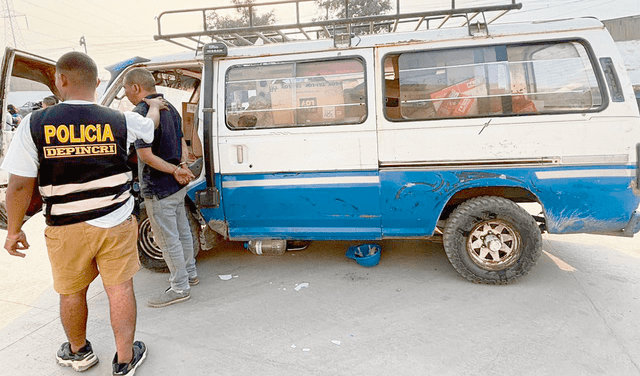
x=82, y=150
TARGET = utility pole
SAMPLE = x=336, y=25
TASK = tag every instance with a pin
x=12, y=34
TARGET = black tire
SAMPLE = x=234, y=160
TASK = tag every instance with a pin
x=492, y=240
x=148, y=251
x=195, y=231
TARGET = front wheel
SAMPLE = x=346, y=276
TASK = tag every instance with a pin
x=149, y=252
x=492, y=240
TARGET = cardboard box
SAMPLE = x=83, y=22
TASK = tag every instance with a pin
x=521, y=105
x=460, y=102
x=190, y=131
x=316, y=102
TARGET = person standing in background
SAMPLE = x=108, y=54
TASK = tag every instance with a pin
x=162, y=184
x=49, y=101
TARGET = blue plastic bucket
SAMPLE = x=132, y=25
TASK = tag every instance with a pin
x=367, y=255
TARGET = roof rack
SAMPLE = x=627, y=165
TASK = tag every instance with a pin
x=341, y=30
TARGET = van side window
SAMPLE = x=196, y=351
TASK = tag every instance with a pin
x=296, y=94
x=491, y=81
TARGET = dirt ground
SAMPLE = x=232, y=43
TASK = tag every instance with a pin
x=574, y=314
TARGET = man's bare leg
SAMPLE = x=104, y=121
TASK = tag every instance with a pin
x=122, y=305
x=73, y=314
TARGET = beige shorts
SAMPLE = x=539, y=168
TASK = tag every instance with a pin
x=79, y=252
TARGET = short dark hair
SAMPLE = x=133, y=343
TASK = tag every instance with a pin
x=79, y=68
x=142, y=77
x=50, y=100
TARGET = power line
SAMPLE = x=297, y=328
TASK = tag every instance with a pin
x=76, y=21
x=93, y=25
x=119, y=25
x=12, y=34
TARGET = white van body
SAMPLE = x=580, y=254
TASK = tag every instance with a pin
x=396, y=176
x=413, y=135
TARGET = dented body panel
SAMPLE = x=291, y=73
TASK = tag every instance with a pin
x=573, y=199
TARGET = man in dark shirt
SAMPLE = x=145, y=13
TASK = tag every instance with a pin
x=163, y=178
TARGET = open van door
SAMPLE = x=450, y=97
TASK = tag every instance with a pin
x=26, y=79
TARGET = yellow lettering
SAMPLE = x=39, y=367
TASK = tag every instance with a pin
x=104, y=149
x=107, y=135
x=63, y=134
x=99, y=132
x=72, y=133
x=95, y=149
x=90, y=133
x=49, y=131
x=84, y=149
x=60, y=151
x=49, y=152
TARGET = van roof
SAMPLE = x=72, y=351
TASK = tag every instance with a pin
x=251, y=38
x=435, y=35
x=248, y=30
x=364, y=41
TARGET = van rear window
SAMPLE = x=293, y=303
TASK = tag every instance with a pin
x=293, y=94
x=491, y=81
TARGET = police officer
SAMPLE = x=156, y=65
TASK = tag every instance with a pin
x=76, y=153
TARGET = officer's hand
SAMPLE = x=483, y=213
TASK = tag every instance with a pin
x=15, y=242
x=157, y=101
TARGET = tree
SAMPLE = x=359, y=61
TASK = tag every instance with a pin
x=335, y=9
x=215, y=21
x=357, y=8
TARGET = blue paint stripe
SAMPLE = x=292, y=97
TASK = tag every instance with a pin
x=407, y=203
x=303, y=181
x=586, y=173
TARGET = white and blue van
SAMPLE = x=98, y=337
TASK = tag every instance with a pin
x=406, y=135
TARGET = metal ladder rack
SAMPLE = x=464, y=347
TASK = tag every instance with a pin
x=341, y=30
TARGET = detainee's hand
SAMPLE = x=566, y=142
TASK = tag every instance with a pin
x=183, y=175
x=158, y=102
x=15, y=242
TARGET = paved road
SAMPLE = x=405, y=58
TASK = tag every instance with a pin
x=575, y=314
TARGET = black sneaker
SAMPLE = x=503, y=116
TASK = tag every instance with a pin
x=139, y=355
x=79, y=361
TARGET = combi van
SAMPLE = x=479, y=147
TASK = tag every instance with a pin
x=399, y=135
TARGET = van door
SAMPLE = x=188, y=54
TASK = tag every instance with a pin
x=297, y=146
x=26, y=79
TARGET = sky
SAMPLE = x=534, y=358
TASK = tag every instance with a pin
x=115, y=30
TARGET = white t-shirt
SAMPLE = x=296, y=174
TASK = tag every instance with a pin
x=22, y=157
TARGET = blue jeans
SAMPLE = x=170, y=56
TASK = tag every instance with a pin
x=172, y=233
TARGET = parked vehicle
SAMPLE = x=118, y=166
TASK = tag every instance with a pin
x=405, y=134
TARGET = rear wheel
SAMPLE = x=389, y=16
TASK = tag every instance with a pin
x=492, y=240
x=149, y=252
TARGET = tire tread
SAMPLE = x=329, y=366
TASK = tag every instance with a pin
x=477, y=205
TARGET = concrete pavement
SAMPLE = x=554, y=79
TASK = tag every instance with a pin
x=575, y=314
